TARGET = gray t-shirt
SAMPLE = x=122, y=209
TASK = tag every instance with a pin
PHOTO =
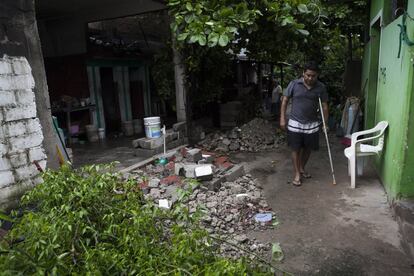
x=305, y=102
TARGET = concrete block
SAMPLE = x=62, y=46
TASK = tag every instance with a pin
x=135, y=143
x=19, y=112
x=194, y=155
x=2, y=138
x=233, y=173
x=149, y=143
x=6, y=178
x=21, y=66
x=177, y=143
x=7, y=98
x=5, y=163
x=204, y=172
x=180, y=126
x=18, y=159
x=214, y=184
x=25, y=97
x=6, y=82
x=23, y=82
x=5, y=67
x=171, y=136
x=26, y=172
x=146, y=152
x=177, y=168
x=36, y=154
x=3, y=149
x=25, y=142
x=21, y=127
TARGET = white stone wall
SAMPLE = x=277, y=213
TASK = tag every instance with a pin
x=20, y=131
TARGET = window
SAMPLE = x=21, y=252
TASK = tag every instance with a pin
x=398, y=7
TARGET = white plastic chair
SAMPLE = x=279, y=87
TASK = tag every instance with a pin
x=359, y=148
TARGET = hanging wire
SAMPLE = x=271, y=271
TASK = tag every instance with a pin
x=403, y=30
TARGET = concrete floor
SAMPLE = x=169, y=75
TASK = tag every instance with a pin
x=115, y=149
x=326, y=229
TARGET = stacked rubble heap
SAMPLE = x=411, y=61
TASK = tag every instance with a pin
x=229, y=199
x=254, y=136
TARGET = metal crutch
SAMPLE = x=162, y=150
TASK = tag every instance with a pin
x=327, y=141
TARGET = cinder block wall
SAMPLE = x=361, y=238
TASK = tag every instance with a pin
x=20, y=131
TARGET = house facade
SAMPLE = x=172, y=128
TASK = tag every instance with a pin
x=387, y=85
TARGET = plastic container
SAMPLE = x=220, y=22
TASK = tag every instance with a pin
x=137, y=123
x=152, y=127
x=92, y=133
x=101, y=133
x=353, y=122
x=128, y=128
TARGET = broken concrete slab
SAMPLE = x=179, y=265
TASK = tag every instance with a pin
x=203, y=172
x=235, y=172
x=194, y=155
x=154, y=183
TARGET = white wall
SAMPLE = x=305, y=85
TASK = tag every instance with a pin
x=20, y=131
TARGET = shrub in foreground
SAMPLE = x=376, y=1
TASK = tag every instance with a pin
x=88, y=221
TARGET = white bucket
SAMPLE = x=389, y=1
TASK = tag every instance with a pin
x=128, y=128
x=101, y=133
x=152, y=127
x=92, y=133
x=137, y=126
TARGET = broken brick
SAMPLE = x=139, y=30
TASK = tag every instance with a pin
x=183, y=152
x=170, y=180
x=170, y=166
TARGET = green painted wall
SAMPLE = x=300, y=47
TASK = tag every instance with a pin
x=407, y=179
x=389, y=97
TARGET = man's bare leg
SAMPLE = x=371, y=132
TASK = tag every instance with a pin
x=304, y=155
x=296, y=166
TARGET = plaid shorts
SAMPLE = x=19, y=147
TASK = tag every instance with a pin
x=303, y=135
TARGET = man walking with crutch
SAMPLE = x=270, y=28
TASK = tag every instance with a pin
x=303, y=124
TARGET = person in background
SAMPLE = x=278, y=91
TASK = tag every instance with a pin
x=303, y=124
x=276, y=94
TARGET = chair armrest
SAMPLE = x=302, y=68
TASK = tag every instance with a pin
x=354, y=137
x=369, y=138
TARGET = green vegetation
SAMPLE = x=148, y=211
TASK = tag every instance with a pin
x=89, y=222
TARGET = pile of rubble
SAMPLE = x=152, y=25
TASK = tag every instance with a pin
x=256, y=135
x=231, y=200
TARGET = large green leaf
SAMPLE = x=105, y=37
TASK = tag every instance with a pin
x=5, y=217
x=303, y=8
x=202, y=40
x=213, y=39
x=304, y=32
x=223, y=40
x=182, y=36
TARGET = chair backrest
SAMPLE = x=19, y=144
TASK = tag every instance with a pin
x=381, y=127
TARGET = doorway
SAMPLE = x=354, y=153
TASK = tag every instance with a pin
x=371, y=100
x=110, y=100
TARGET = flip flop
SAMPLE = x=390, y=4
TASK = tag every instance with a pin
x=296, y=183
x=306, y=175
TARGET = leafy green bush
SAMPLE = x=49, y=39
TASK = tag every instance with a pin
x=90, y=222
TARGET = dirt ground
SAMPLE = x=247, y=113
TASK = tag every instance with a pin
x=326, y=229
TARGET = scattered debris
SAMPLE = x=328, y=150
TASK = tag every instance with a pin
x=229, y=200
x=263, y=217
x=256, y=135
